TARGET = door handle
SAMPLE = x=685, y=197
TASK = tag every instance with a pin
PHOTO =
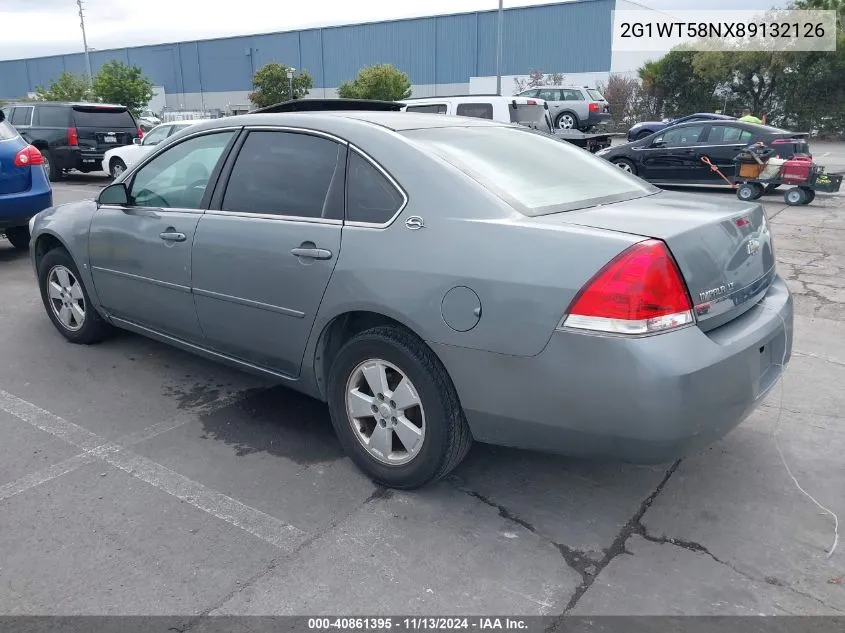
x=311, y=253
x=172, y=236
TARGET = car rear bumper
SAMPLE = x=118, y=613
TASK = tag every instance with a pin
x=645, y=400
x=17, y=208
x=597, y=118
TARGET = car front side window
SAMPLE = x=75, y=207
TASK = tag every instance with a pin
x=682, y=136
x=177, y=178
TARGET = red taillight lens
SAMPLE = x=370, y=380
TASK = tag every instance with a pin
x=641, y=291
x=72, y=136
x=28, y=156
x=140, y=133
x=594, y=107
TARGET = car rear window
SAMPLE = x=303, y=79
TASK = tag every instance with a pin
x=7, y=132
x=533, y=172
x=530, y=115
x=103, y=118
x=595, y=94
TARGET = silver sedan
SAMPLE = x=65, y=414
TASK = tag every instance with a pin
x=435, y=280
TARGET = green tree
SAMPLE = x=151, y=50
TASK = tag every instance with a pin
x=829, y=5
x=754, y=77
x=382, y=82
x=272, y=85
x=120, y=83
x=68, y=87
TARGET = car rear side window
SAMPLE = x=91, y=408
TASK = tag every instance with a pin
x=572, y=95
x=434, y=108
x=22, y=116
x=524, y=168
x=7, y=132
x=729, y=134
x=370, y=196
x=475, y=110
x=53, y=117
x=104, y=118
x=282, y=173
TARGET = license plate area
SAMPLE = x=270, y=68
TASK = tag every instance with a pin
x=110, y=139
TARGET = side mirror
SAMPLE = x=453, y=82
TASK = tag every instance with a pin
x=658, y=142
x=136, y=141
x=115, y=194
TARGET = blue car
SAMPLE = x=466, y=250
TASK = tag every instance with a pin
x=647, y=128
x=24, y=187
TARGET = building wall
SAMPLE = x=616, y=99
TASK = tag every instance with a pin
x=440, y=54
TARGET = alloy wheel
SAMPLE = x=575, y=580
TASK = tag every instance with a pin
x=566, y=122
x=385, y=411
x=66, y=298
x=624, y=166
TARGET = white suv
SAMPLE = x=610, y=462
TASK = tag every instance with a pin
x=530, y=112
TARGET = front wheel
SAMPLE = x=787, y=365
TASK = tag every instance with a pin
x=395, y=409
x=66, y=300
x=809, y=195
x=794, y=197
x=116, y=167
x=18, y=237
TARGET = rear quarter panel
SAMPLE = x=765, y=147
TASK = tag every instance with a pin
x=525, y=272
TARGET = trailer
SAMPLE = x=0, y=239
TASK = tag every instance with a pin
x=590, y=142
x=753, y=175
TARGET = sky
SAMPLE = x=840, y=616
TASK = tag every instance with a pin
x=118, y=23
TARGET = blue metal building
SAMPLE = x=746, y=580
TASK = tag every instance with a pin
x=440, y=54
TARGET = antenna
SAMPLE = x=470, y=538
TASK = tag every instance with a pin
x=85, y=41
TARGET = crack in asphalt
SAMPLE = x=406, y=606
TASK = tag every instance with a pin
x=698, y=548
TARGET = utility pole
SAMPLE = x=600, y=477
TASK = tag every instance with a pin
x=85, y=42
x=290, y=81
x=499, y=53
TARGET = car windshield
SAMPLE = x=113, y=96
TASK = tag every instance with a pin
x=533, y=172
x=103, y=117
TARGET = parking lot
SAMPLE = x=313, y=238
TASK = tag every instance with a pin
x=137, y=479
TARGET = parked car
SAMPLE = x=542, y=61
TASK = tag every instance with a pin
x=73, y=135
x=573, y=107
x=641, y=130
x=673, y=157
x=476, y=296
x=529, y=112
x=116, y=160
x=24, y=188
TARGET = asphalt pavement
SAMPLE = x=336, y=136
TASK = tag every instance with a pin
x=138, y=479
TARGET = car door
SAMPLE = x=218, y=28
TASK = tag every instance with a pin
x=724, y=141
x=674, y=155
x=265, y=251
x=553, y=98
x=140, y=253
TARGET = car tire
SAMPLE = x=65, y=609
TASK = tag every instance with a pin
x=809, y=195
x=625, y=165
x=57, y=267
x=116, y=167
x=54, y=173
x=18, y=237
x=642, y=135
x=749, y=191
x=794, y=197
x=567, y=121
x=363, y=415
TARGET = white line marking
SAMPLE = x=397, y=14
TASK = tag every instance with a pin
x=251, y=520
x=27, y=482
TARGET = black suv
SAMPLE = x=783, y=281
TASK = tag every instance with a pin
x=73, y=135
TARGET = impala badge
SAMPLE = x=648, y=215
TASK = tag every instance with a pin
x=753, y=246
x=415, y=222
x=707, y=295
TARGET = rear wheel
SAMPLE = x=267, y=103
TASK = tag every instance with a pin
x=625, y=165
x=116, y=167
x=749, y=191
x=395, y=409
x=18, y=237
x=66, y=300
x=567, y=121
x=54, y=173
x=794, y=197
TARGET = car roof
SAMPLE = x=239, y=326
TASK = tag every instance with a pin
x=396, y=121
x=489, y=98
x=87, y=104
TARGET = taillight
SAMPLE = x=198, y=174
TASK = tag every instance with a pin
x=640, y=291
x=594, y=107
x=531, y=102
x=140, y=133
x=28, y=156
x=72, y=136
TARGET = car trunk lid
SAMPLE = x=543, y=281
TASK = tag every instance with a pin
x=103, y=127
x=724, y=251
